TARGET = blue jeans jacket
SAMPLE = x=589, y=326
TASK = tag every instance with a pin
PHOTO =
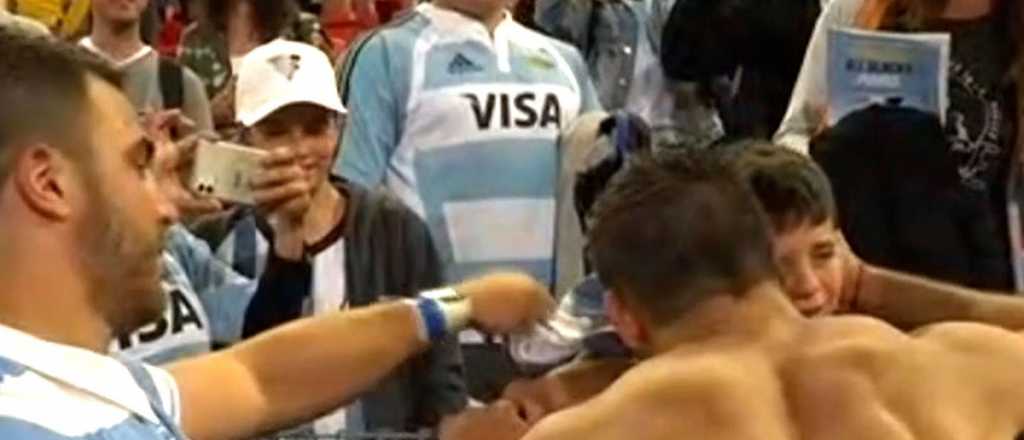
x=615, y=36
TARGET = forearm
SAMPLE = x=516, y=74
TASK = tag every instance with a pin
x=297, y=371
x=910, y=301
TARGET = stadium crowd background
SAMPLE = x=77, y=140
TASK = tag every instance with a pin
x=448, y=139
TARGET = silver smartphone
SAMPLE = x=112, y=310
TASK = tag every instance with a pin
x=224, y=170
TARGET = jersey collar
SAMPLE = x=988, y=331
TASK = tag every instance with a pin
x=100, y=376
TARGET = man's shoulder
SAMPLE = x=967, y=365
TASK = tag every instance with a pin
x=706, y=396
x=395, y=37
x=714, y=379
x=971, y=338
x=848, y=341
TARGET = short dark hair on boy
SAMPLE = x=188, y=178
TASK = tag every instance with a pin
x=792, y=189
x=676, y=229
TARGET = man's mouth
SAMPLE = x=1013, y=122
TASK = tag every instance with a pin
x=811, y=308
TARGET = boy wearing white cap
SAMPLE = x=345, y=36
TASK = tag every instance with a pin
x=359, y=244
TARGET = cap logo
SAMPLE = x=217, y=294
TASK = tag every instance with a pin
x=286, y=65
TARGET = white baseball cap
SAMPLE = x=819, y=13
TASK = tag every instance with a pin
x=281, y=73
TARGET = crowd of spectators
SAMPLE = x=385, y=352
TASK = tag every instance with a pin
x=437, y=141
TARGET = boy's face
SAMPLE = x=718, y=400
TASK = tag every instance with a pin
x=809, y=257
x=310, y=129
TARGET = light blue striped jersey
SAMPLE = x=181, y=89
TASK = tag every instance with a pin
x=206, y=303
x=464, y=129
x=50, y=391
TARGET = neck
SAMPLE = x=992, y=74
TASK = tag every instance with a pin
x=118, y=41
x=327, y=208
x=490, y=19
x=46, y=300
x=763, y=313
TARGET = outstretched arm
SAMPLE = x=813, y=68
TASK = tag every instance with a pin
x=305, y=368
x=910, y=301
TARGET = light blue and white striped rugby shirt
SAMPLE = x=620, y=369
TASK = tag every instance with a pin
x=50, y=391
x=206, y=304
x=464, y=128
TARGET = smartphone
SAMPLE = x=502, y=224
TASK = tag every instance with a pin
x=224, y=170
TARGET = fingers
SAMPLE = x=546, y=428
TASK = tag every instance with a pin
x=282, y=156
x=272, y=197
x=162, y=122
x=270, y=178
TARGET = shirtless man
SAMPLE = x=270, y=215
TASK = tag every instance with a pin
x=695, y=292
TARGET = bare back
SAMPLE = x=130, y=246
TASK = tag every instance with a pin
x=833, y=378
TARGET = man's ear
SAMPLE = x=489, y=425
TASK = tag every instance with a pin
x=628, y=325
x=42, y=178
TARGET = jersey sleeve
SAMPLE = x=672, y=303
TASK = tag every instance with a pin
x=167, y=391
x=225, y=294
x=372, y=132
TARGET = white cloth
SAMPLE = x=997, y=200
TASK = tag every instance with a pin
x=810, y=95
x=329, y=295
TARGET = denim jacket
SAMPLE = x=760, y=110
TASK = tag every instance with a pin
x=612, y=35
x=607, y=34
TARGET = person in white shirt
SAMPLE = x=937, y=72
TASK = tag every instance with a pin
x=150, y=82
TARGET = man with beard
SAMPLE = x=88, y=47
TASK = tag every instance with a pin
x=151, y=83
x=81, y=233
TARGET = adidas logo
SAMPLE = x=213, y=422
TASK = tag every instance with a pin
x=462, y=65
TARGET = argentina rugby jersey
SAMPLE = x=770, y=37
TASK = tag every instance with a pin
x=463, y=127
x=206, y=303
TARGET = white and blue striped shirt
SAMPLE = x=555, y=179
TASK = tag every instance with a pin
x=50, y=391
x=464, y=128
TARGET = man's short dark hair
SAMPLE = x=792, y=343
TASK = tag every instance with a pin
x=43, y=92
x=792, y=189
x=675, y=229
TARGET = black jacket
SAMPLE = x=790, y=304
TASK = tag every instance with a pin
x=900, y=200
x=388, y=252
x=707, y=39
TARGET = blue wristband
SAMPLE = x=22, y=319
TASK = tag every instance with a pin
x=433, y=318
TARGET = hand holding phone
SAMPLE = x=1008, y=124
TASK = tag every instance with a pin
x=225, y=171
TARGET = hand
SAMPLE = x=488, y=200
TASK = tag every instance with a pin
x=495, y=422
x=281, y=190
x=172, y=163
x=533, y=398
x=506, y=302
x=853, y=276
